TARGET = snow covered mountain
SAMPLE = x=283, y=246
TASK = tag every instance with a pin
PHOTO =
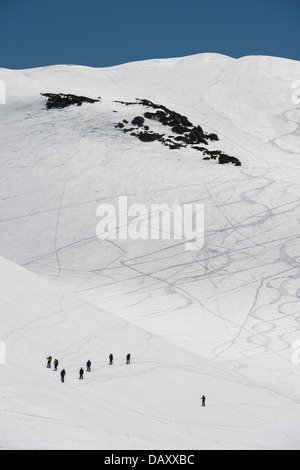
x=222, y=320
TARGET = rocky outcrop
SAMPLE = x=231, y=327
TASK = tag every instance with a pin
x=148, y=136
x=61, y=100
x=223, y=159
x=185, y=133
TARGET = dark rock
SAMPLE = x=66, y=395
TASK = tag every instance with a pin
x=188, y=134
x=223, y=159
x=178, y=129
x=175, y=146
x=170, y=118
x=184, y=139
x=138, y=121
x=158, y=116
x=196, y=135
x=62, y=101
x=201, y=149
x=151, y=116
x=148, y=137
x=200, y=131
x=185, y=122
x=213, y=137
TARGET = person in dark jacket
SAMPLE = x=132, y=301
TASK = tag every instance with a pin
x=55, y=363
x=203, y=398
x=81, y=372
x=111, y=359
x=128, y=359
x=88, y=366
x=62, y=375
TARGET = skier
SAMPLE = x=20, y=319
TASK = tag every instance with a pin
x=111, y=358
x=49, y=360
x=88, y=366
x=55, y=363
x=203, y=398
x=128, y=359
x=81, y=372
x=62, y=374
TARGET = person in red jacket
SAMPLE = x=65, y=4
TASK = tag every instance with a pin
x=203, y=398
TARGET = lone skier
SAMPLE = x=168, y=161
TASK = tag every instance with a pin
x=203, y=398
x=81, y=372
x=88, y=366
x=111, y=359
x=128, y=359
x=49, y=360
x=62, y=375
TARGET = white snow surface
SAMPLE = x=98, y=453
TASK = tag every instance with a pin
x=221, y=321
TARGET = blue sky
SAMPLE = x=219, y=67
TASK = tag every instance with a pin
x=99, y=33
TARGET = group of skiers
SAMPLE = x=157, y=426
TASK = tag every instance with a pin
x=55, y=366
x=81, y=371
x=111, y=359
x=55, y=363
x=88, y=368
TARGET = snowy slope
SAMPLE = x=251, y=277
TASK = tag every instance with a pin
x=233, y=306
x=153, y=403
